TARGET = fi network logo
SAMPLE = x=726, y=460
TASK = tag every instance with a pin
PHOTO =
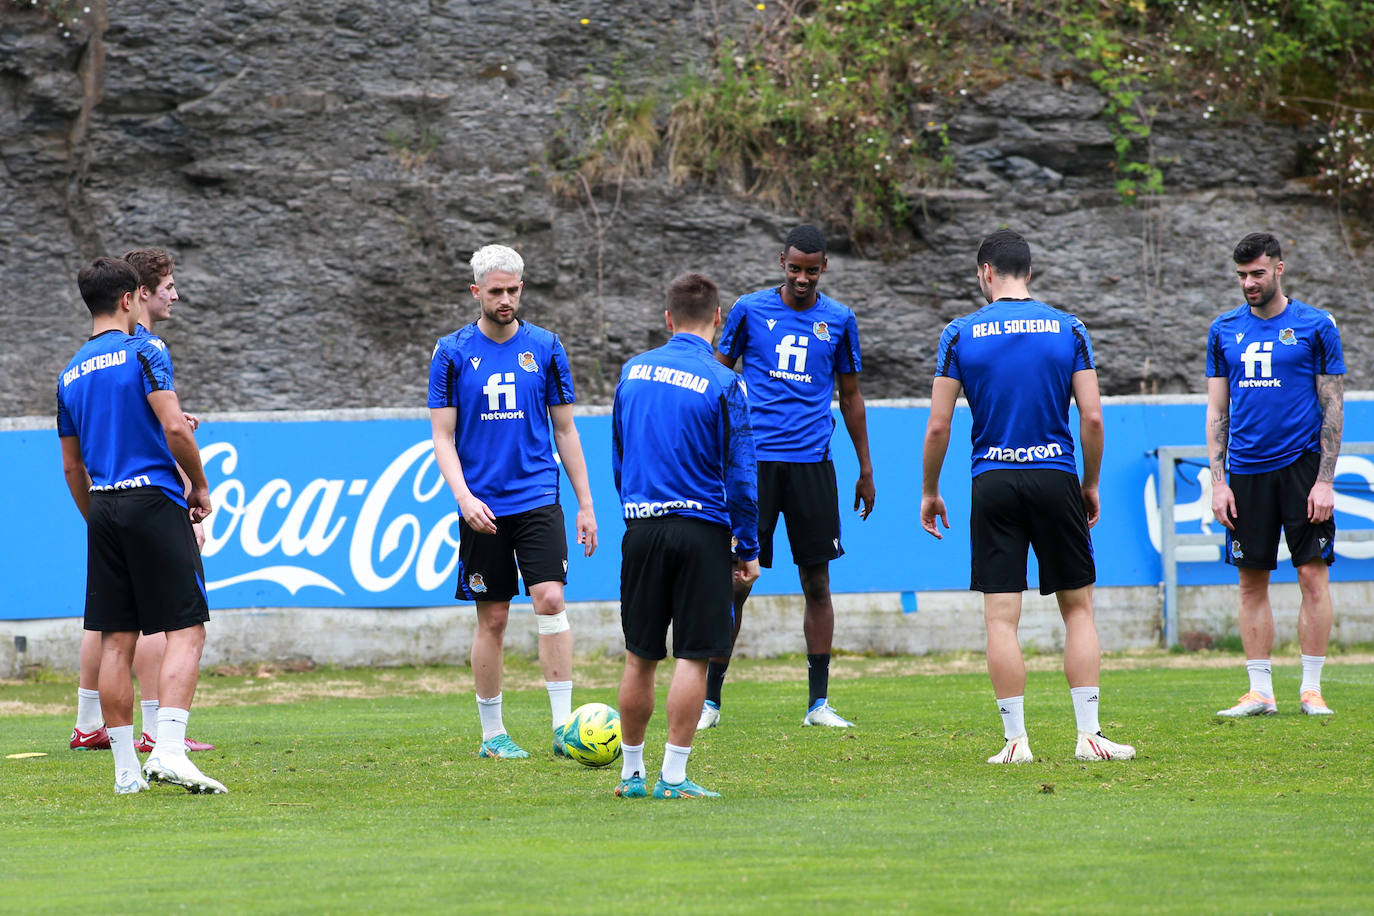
x=500, y=391
x=1259, y=356
x=792, y=353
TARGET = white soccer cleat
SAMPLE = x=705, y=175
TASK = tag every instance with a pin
x=710, y=716
x=1252, y=704
x=824, y=714
x=1092, y=746
x=128, y=782
x=1314, y=705
x=178, y=770
x=1017, y=751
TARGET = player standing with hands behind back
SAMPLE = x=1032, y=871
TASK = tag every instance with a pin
x=1275, y=409
x=1019, y=361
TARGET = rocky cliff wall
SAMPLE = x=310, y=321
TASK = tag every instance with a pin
x=323, y=170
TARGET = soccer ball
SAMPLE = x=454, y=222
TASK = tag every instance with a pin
x=592, y=735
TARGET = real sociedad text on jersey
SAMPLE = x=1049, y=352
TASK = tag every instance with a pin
x=670, y=376
x=1017, y=326
x=99, y=361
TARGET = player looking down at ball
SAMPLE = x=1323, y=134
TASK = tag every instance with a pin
x=1020, y=361
x=683, y=456
x=494, y=387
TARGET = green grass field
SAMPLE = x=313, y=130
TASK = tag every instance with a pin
x=355, y=791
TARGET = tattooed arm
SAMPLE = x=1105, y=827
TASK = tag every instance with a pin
x=1331, y=396
x=1218, y=438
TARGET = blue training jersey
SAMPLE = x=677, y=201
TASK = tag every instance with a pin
x=681, y=441
x=1271, y=367
x=503, y=392
x=791, y=360
x=1015, y=359
x=102, y=399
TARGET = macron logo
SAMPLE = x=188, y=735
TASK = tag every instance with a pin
x=1020, y=455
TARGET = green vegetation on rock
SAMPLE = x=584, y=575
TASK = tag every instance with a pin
x=838, y=109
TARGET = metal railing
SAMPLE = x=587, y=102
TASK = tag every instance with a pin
x=1170, y=540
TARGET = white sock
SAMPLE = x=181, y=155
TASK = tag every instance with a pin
x=560, y=701
x=149, y=708
x=631, y=760
x=1013, y=710
x=1261, y=676
x=674, y=763
x=489, y=711
x=1311, y=673
x=122, y=743
x=171, y=729
x=88, y=715
x=1085, y=708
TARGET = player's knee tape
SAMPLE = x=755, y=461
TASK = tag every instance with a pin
x=552, y=624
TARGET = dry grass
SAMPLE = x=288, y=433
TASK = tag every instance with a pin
x=293, y=682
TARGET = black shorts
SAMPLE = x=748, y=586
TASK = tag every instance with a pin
x=487, y=562
x=1269, y=499
x=1040, y=508
x=143, y=569
x=807, y=497
x=676, y=570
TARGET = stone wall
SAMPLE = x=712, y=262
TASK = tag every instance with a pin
x=323, y=170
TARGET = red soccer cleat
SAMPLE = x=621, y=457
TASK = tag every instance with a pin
x=98, y=740
x=145, y=745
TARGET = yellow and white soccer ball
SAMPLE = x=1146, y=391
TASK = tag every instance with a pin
x=592, y=735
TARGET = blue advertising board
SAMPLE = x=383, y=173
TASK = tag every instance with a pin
x=329, y=512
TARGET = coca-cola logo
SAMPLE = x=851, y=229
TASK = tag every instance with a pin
x=294, y=535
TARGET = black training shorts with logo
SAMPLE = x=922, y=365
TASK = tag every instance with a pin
x=143, y=569
x=1041, y=508
x=1271, y=499
x=808, y=498
x=487, y=563
x=677, y=570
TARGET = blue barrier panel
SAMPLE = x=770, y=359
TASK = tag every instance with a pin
x=354, y=513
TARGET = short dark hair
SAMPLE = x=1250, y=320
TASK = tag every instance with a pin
x=693, y=299
x=152, y=265
x=1007, y=252
x=104, y=281
x=806, y=239
x=1254, y=245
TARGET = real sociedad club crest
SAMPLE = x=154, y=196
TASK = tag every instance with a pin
x=821, y=330
x=1286, y=336
x=527, y=362
x=476, y=585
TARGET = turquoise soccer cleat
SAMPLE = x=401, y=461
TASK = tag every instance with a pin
x=502, y=747
x=684, y=789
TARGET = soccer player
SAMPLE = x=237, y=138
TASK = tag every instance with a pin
x=1019, y=361
x=494, y=386
x=796, y=344
x=1275, y=389
x=156, y=293
x=123, y=435
x=683, y=457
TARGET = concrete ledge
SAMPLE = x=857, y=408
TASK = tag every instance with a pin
x=880, y=623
